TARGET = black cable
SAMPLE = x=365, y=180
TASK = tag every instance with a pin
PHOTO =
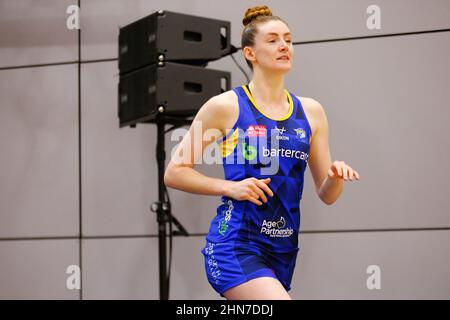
x=167, y=193
x=170, y=242
x=173, y=128
x=170, y=221
x=240, y=68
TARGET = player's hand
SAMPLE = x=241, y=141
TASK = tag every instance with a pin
x=250, y=189
x=340, y=170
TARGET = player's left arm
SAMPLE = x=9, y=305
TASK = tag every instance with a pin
x=328, y=176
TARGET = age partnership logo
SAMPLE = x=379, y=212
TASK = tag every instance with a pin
x=276, y=229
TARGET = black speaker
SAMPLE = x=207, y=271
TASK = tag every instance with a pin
x=173, y=89
x=171, y=36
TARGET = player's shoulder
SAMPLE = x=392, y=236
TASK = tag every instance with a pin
x=225, y=104
x=315, y=113
x=311, y=104
x=224, y=99
x=221, y=111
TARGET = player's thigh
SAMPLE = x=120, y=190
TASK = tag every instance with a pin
x=263, y=288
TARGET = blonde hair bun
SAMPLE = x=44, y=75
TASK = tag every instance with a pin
x=254, y=12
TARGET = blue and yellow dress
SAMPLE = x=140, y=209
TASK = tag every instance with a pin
x=246, y=241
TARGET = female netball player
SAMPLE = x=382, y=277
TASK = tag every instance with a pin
x=266, y=135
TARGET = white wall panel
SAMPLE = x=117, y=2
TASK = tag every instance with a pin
x=37, y=269
x=39, y=142
x=35, y=32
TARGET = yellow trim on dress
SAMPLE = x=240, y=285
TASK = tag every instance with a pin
x=230, y=143
x=291, y=105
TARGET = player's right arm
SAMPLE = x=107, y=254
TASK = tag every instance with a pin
x=216, y=116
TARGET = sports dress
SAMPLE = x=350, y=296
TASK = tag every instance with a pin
x=247, y=241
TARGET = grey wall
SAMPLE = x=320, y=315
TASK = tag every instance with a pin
x=75, y=189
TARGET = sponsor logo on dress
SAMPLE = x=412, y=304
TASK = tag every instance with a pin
x=249, y=152
x=213, y=266
x=276, y=228
x=257, y=130
x=223, y=223
x=301, y=134
x=280, y=132
x=286, y=153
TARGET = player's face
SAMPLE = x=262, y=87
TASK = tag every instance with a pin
x=273, y=47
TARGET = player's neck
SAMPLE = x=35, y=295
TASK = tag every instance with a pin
x=270, y=90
